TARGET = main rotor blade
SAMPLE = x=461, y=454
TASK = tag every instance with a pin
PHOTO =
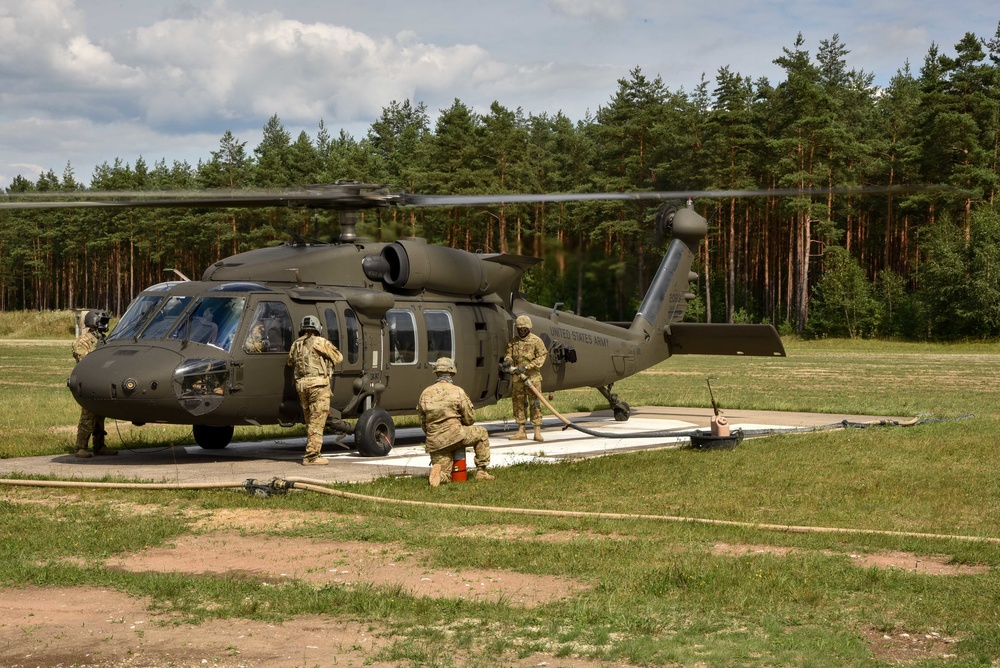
x=357, y=196
x=480, y=200
x=327, y=196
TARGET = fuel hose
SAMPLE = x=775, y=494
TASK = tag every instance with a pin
x=283, y=485
x=679, y=433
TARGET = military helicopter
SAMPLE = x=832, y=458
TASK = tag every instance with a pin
x=211, y=353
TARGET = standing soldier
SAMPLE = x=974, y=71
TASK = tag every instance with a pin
x=312, y=358
x=95, y=324
x=448, y=419
x=525, y=354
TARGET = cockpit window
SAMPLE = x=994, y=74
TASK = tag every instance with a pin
x=270, y=330
x=162, y=287
x=213, y=320
x=135, y=317
x=165, y=318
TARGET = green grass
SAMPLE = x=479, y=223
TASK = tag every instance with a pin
x=39, y=414
x=660, y=591
x=37, y=325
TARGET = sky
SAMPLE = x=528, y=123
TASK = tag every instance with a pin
x=83, y=82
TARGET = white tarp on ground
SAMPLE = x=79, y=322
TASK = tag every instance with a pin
x=560, y=443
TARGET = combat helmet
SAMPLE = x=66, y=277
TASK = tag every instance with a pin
x=445, y=365
x=311, y=322
x=97, y=320
x=522, y=322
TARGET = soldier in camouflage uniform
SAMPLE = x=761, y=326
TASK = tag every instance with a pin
x=448, y=419
x=312, y=358
x=95, y=325
x=255, y=339
x=525, y=355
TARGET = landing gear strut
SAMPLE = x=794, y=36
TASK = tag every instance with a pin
x=621, y=409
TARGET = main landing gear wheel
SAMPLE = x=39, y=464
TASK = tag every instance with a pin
x=212, y=438
x=375, y=433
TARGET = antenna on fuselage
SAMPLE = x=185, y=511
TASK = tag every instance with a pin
x=178, y=272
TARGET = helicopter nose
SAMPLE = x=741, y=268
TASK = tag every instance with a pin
x=126, y=382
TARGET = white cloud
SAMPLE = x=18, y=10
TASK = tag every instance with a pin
x=45, y=50
x=92, y=80
x=595, y=10
x=233, y=65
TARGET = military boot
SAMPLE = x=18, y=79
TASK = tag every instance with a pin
x=99, y=448
x=481, y=474
x=538, y=433
x=314, y=461
x=520, y=435
x=81, y=446
x=434, y=478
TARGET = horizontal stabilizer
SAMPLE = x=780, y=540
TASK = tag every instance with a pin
x=692, y=338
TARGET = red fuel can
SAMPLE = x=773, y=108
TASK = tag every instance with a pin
x=458, y=472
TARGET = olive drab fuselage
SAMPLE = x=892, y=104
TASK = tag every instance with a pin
x=212, y=353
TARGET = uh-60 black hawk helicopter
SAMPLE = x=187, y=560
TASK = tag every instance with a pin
x=212, y=353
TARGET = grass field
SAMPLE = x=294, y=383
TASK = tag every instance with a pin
x=659, y=593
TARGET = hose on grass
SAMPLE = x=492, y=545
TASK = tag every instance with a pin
x=282, y=485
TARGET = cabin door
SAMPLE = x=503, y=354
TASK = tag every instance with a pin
x=344, y=330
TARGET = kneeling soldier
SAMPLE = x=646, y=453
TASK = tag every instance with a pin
x=448, y=419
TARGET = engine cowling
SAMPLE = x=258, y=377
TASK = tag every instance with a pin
x=413, y=264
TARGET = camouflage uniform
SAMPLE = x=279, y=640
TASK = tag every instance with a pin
x=529, y=352
x=448, y=419
x=89, y=423
x=312, y=358
x=255, y=339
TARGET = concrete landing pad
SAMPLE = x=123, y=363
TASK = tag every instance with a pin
x=282, y=457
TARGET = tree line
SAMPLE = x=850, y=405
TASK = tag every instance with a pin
x=914, y=263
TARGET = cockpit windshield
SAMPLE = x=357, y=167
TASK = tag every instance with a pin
x=165, y=318
x=135, y=317
x=213, y=320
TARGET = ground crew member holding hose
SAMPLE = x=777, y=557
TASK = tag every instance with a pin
x=95, y=324
x=312, y=358
x=525, y=356
x=448, y=419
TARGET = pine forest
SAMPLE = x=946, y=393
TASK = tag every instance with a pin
x=838, y=261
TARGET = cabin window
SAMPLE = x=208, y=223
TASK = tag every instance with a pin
x=440, y=335
x=135, y=317
x=350, y=339
x=332, y=327
x=353, y=342
x=270, y=330
x=402, y=336
x=213, y=321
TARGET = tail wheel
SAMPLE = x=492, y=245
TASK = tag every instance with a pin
x=212, y=438
x=621, y=410
x=375, y=433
